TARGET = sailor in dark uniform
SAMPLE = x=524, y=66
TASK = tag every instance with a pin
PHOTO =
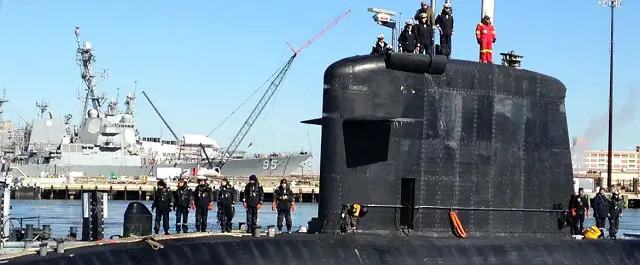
x=381, y=47
x=615, y=213
x=284, y=204
x=579, y=207
x=601, y=206
x=226, y=205
x=252, y=201
x=183, y=199
x=202, y=203
x=162, y=204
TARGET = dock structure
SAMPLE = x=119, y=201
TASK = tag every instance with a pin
x=71, y=191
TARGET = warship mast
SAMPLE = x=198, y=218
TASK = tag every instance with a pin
x=42, y=106
x=86, y=59
x=2, y=101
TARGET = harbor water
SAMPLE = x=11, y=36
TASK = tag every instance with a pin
x=62, y=214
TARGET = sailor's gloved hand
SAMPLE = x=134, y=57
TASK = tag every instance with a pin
x=273, y=206
x=573, y=212
x=494, y=40
x=259, y=206
x=153, y=208
x=621, y=216
x=479, y=42
x=244, y=204
x=293, y=207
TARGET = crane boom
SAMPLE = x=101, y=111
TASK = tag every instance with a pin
x=268, y=94
x=253, y=116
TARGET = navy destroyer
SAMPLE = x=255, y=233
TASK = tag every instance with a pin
x=107, y=143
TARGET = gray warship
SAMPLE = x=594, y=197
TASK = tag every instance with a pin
x=107, y=143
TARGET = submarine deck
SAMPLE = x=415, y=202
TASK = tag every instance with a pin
x=236, y=248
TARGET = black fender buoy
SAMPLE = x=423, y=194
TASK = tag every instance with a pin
x=138, y=220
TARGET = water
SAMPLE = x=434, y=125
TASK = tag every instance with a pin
x=62, y=214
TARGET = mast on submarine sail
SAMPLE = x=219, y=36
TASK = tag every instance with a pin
x=268, y=94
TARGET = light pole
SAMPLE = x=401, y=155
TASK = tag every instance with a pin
x=612, y=4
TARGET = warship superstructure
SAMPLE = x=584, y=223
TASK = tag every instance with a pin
x=107, y=143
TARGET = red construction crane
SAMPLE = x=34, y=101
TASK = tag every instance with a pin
x=268, y=94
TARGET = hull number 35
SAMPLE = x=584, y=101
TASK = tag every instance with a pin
x=270, y=164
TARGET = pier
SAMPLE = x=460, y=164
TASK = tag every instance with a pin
x=64, y=191
x=306, y=188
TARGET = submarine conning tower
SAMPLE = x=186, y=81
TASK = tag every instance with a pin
x=412, y=137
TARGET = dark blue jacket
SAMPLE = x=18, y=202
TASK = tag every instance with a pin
x=601, y=205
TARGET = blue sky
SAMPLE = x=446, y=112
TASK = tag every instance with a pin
x=198, y=60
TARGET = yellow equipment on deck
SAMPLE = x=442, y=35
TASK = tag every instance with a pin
x=591, y=232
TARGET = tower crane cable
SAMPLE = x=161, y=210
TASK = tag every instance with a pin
x=269, y=92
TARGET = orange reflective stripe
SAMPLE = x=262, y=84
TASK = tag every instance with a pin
x=486, y=50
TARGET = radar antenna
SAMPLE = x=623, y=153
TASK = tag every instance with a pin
x=268, y=94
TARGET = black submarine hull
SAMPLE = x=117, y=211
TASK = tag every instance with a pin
x=325, y=249
x=418, y=136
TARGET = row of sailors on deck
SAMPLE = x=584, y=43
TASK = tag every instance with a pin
x=201, y=200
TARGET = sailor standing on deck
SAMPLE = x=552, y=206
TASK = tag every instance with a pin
x=226, y=205
x=486, y=37
x=615, y=213
x=381, y=47
x=202, y=203
x=579, y=207
x=425, y=16
x=284, y=204
x=601, y=210
x=444, y=23
x=408, y=40
x=252, y=198
x=183, y=198
x=162, y=204
x=424, y=29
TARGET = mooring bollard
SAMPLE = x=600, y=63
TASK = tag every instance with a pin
x=271, y=231
x=43, y=248
x=28, y=235
x=60, y=247
x=46, y=232
x=257, y=231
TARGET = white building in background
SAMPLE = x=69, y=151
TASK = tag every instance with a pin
x=622, y=161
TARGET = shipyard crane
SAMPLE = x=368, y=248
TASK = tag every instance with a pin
x=269, y=92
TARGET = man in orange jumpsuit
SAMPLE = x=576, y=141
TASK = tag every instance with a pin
x=486, y=36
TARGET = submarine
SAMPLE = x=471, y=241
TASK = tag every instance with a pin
x=424, y=160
